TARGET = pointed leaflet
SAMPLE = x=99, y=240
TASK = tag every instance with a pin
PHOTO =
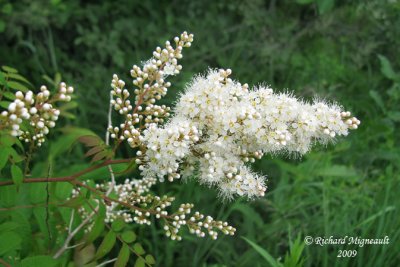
x=17, y=175
x=123, y=256
x=106, y=245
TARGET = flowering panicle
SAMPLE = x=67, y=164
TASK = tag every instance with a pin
x=219, y=126
x=230, y=126
x=135, y=204
x=39, y=110
x=150, y=84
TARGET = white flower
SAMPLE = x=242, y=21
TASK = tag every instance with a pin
x=234, y=126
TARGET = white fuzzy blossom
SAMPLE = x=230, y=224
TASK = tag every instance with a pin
x=167, y=147
x=220, y=125
x=38, y=110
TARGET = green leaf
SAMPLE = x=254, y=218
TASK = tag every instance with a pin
x=264, y=253
x=128, y=236
x=69, y=137
x=9, y=69
x=63, y=190
x=2, y=77
x=57, y=78
x=294, y=257
x=24, y=226
x=37, y=193
x=5, y=153
x=4, y=104
x=325, y=6
x=42, y=261
x=94, y=150
x=118, y=225
x=337, y=170
x=138, y=249
x=69, y=105
x=378, y=99
x=8, y=226
x=123, y=256
x=74, y=202
x=7, y=140
x=101, y=155
x=132, y=165
x=140, y=262
x=40, y=216
x=90, y=140
x=97, y=229
x=15, y=156
x=8, y=196
x=375, y=216
x=17, y=86
x=394, y=115
x=9, y=96
x=106, y=245
x=386, y=68
x=9, y=241
x=150, y=259
x=17, y=175
x=104, y=173
x=18, y=77
x=67, y=115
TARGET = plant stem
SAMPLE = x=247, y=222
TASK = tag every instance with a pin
x=70, y=177
x=72, y=234
x=29, y=158
x=4, y=263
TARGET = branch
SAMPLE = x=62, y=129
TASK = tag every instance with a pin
x=72, y=234
x=70, y=177
x=4, y=263
x=106, y=262
x=110, y=189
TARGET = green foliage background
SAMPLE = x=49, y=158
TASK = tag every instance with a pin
x=347, y=51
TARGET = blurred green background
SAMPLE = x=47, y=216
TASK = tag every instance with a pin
x=345, y=51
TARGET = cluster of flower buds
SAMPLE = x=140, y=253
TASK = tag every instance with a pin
x=38, y=110
x=197, y=224
x=351, y=121
x=135, y=204
x=150, y=84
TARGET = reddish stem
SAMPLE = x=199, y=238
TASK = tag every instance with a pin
x=70, y=177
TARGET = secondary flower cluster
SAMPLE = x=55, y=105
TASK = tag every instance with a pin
x=150, y=84
x=219, y=125
x=135, y=204
x=37, y=110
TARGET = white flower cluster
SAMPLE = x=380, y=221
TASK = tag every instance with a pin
x=220, y=125
x=150, y=86
x=166, y=148
x=38, y=109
